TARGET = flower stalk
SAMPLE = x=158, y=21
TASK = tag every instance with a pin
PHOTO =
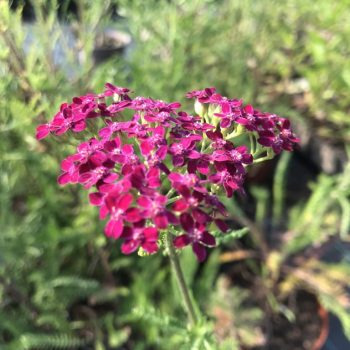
x=185, y=294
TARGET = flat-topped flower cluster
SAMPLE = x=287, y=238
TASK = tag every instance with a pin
x=155, y=168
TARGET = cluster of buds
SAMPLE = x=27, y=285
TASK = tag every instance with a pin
x=156, y=169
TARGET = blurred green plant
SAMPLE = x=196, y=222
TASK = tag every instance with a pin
x=50, y=253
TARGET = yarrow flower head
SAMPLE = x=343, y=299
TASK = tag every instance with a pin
x=154, y=169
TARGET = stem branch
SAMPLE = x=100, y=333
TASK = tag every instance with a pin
x=175, y=263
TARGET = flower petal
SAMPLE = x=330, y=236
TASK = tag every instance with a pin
x=150, y=247
x=180, y=205
x=161, y=221
x=150, y=234
x=96, y=198
x=129, y=246
x=124, y=201
x=42, y=131
x=187, y=222
x=200, y=216
x=133, y=215
x=114, y=228
x=63, y=179
x=208, y=239
x=221, y=224
x=200, y=251
x=181, y=241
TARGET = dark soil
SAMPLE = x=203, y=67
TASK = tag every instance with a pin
x=309, y=329
x=307, y=332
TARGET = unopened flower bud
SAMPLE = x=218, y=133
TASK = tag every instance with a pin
x=213, y=108
x=142, y=252
x=201, y=109
x=117, y=98
x=240, y=130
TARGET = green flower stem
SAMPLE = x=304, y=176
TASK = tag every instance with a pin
x=172, y=200
x=186, y=298
x=170, y=192
x=261, y=150
x=252, y=143
x=262, y=159
x=233, y=135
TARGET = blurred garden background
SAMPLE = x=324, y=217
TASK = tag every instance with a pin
x=282, y=280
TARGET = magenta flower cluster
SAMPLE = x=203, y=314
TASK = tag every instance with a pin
x=157, y=169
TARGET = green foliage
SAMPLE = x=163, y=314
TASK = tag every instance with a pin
x=318, y=219
x=279, y=185
x=237, y=318
x=230, y=236
x=43, y=341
